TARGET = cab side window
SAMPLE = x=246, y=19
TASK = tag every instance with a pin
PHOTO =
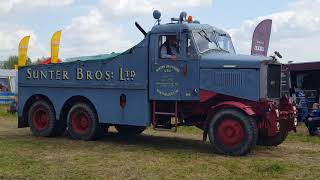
x=168, y=47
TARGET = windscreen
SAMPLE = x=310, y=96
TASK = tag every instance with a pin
x=205, y=41
x=225, y=43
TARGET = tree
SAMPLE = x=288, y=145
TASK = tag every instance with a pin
x=13, y=60
x=40, y=60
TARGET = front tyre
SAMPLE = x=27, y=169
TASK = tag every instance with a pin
x=83, y=123
x=231, y=132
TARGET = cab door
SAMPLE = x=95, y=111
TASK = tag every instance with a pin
x=172, y=79
x=190, y=65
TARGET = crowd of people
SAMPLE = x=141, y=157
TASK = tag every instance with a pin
x=310, y=116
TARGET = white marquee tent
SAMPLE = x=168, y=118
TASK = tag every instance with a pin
x=9, y=78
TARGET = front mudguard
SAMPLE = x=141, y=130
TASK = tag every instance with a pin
x=234, y=104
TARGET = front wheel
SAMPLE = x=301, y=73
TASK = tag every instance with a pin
x=231, y=132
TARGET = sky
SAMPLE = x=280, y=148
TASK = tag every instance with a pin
x=104, y=26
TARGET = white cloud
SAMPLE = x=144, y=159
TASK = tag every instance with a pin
x=95, y=34
x=8, y=5
x=91, y=35
x=295, y=32
x=140, y=7
x=10, y=38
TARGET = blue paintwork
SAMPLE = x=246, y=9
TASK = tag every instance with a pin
x=230, y=74
x=241, y=83
x=152, y=79
x=218, y=60
x=167, y=78
x=104, y=94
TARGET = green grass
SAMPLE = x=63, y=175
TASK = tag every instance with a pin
x=5, y=115
x=154, y=155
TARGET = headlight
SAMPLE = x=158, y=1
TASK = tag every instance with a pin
x=278, y=113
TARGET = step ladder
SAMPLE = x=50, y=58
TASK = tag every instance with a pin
x=155, y=114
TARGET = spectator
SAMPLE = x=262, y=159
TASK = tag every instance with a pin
x=313, y=120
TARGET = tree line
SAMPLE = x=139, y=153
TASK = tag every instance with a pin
x=13, y=60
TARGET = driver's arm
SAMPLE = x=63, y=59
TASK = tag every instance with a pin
x=164, y=54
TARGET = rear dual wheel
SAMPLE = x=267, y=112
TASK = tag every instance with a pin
x=82, y=122
x=42, y=120
x=231, y=132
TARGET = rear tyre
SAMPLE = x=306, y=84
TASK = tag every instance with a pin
x=42, y=121
x=274, y=140
x=231, y=132
x=82, y=123
x=126, y=130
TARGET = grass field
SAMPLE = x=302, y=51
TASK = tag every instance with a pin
x=153, y=155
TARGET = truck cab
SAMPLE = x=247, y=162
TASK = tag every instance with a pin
x=183, y=73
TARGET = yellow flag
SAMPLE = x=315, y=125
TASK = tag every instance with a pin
x=55, y=44
x=23, y=52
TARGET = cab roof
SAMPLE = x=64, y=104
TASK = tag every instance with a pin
x=176, y=27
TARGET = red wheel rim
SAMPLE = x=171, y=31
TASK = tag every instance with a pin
x=230, y=132
x=40, y=119
x=80, y=122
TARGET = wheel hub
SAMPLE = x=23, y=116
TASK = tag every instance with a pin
x=80, y=122
x=40, y=119
x=230, y=132
x=84, y=122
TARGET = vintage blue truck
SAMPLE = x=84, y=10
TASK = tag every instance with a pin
x=235, y=99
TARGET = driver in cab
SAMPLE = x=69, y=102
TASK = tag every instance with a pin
x=168, y=50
